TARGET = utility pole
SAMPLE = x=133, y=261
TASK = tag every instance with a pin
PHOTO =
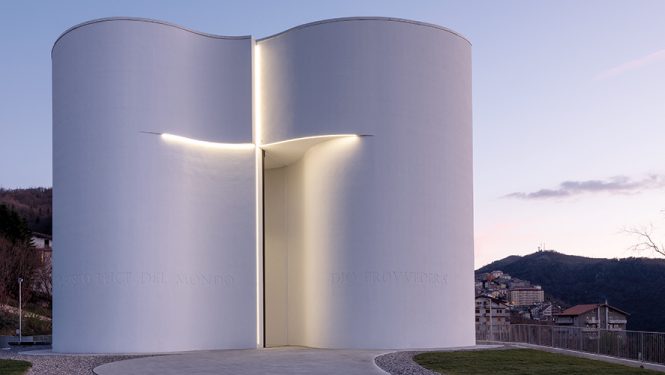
x=20, y=315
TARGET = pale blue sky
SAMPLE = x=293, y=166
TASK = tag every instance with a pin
x=563, y=91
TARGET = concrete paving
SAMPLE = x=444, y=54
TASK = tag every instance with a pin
x=274, y=361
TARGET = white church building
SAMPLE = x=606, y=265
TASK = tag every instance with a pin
x=310, y=188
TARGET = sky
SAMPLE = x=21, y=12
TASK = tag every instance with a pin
x=568, y=96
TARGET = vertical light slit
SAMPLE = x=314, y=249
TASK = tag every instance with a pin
x=259, y=194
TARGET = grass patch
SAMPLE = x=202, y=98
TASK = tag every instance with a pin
x=13, y=367
x=519, y=362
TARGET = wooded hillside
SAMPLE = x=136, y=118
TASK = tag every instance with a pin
x=33, y=205
x=635, y=285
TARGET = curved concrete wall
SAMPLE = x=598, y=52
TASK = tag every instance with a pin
x=156, y=239
x=377, y=230
x=368, y=240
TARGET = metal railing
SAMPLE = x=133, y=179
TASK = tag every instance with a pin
x=635, y=345
x=36, y=339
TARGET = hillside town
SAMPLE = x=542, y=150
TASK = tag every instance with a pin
x=502, y=300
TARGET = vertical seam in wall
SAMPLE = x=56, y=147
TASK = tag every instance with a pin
x=263, y=238
x=259, y=201
x=285, y=212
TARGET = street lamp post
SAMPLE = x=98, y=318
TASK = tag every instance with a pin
x=20, y=315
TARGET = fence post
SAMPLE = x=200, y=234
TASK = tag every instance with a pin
x=552, y=334
x=642, y=346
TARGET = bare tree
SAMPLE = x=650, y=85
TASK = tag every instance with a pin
x=17, y=259
x=646, y=240
x=43, y=278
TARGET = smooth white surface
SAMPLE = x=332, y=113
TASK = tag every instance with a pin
x=368, y=240
x=155, y=246
x=378, y=230
x=205, y=144
x=282, y=154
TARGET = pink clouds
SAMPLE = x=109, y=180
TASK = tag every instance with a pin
x=652, y=58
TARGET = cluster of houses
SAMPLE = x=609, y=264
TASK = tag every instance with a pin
x=502, y=300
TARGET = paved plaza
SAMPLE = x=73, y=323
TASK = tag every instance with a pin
x=285, y=360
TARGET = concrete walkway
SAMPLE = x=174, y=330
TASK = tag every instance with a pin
x=274, y=361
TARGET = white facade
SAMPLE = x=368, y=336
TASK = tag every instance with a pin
x=359, y=239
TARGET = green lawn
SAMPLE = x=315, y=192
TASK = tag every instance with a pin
x=12, y=367
x=519, y=362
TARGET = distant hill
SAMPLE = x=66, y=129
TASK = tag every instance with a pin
x=33, y=205
x=635, y=285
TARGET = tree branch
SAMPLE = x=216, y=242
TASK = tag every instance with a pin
x=646, y=241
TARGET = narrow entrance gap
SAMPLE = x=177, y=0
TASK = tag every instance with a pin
x=275, y=260
x=263, y=238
